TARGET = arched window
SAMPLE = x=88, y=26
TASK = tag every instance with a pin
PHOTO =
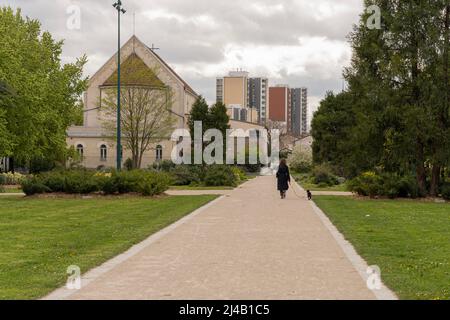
x=80, y=150
x=159, y=153
x=103, y=153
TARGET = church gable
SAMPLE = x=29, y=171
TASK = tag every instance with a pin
x=134, y=72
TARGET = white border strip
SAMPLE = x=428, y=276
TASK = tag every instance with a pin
x=355, y=259
x=64, y=293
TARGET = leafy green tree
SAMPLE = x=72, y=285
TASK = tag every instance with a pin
x=199, y=112
x=218, y=118
x=47, y=92
x=399, y=87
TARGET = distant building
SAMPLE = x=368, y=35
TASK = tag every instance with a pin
x=232, y=89
x=238, y=91
x=95, y=146
x=280, y=105
x=258, y=97
x=299, y=111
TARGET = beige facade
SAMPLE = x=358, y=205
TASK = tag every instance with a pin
x=235, y=91
x=90, y=139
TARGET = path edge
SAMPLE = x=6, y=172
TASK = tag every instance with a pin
x=63, y=293
x=352, y=255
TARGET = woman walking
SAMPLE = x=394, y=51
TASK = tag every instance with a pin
x=284, y=178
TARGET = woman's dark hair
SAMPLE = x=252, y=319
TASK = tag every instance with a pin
x=283, y=163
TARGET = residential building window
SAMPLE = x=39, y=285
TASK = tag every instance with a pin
x=159, y=153
x=80, y=150
x=103, y=153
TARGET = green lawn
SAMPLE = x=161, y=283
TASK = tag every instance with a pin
x=199, y=188
x=408, y=240
x=40, y=238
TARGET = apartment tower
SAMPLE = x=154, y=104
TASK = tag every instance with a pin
x=280, y=105
x=299, y=111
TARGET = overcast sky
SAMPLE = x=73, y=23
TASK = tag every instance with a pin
x=295, y=42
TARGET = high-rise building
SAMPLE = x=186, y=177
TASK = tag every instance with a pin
x=280, y=105
x=238, y=91
x=258, y=97
x=232, y=89
x=299, y=114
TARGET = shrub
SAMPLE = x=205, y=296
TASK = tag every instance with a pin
x=54, y=180
x=33, y=186
x=85, y=182
x=128, y=164
x=80, y=182
x=153, y=183
x=165, y=165
x=220, y=175
x=184, y=175
x=322, y=174
x=445, y=191
x=11, y=178
x=239, y=174
x=300, y=159
x=387, y=184
x=367, y=184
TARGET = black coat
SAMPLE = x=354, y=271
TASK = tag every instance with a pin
x=283, y=177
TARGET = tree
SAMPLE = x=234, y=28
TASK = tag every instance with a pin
x=398, y=96
x=5, y=138
x=47, y=93
x=146, y=117
x=218, y=118
x=199, y=113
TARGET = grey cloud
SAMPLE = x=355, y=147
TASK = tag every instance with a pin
x=187, y=41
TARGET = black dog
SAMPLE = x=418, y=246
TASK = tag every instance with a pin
x=309, y=195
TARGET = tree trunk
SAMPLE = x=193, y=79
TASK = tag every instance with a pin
x=435, y=179
x=420, y=170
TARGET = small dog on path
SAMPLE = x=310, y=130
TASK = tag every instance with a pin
x=309, y=195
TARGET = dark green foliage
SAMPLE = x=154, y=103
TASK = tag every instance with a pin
x=165, y=165
x=323, y=176
x=220, y=175
x=128, y=164
x=32, y=186
x=389, y=185
x=185, y=175
x=86, y=182
x=395, y=113
x=445, y=191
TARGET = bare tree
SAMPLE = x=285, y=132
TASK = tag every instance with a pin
x=146, y=117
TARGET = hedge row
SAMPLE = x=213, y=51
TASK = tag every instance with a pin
x=196, y=175
x=389, y=185
x=147, y=183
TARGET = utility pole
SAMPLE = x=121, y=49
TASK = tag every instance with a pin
x=120, y=10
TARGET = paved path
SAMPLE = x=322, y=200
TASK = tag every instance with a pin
x=247, y=245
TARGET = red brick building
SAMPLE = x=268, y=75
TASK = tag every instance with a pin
x=280, y=105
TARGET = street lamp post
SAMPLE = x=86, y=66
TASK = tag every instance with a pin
x=120, y=10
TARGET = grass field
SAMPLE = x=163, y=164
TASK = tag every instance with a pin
x=40, y=238
x=408, y=240
x=199, y=188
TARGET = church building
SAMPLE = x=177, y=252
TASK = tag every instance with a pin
x=91, y=140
